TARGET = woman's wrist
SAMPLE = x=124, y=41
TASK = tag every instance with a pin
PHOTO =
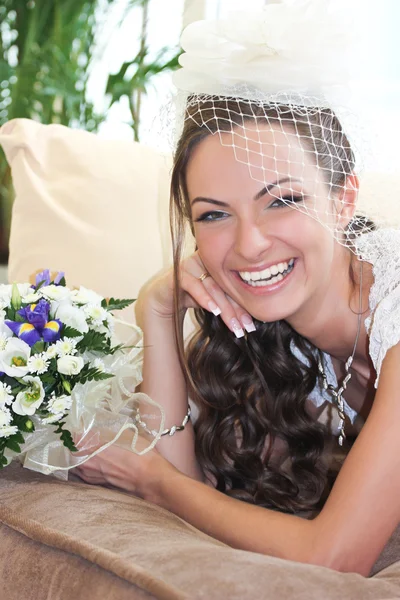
x=155, y=487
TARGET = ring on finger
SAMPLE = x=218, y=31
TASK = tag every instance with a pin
x=203, y=276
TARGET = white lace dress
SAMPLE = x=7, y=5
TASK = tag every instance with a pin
x=382, y=250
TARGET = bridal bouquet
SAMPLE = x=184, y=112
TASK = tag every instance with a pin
x=63, y=375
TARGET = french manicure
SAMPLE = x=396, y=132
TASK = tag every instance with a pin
x=236, y=328
x=214, y=308
x=248, y=323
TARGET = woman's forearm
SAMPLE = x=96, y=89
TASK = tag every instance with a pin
x=164, y=382
x=236, y=523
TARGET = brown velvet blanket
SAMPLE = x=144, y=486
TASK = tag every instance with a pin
x=71, y=541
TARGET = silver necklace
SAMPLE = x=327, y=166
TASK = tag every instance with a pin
x=337, y=393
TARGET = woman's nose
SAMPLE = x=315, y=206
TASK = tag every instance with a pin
x=252, y=241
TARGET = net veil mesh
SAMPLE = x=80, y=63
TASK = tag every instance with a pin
x=295, y=145
x=273, y=86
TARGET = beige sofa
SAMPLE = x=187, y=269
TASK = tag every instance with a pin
x=98, y=210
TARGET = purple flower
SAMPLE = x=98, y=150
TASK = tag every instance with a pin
x=58, y=277
x=25, y=331
x=52, y=331
x=37, y=325
x=43, y=278
x=36, y=314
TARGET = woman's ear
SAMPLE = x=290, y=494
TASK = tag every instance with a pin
x=348, y=200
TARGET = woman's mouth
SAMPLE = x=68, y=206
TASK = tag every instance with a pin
x=268, y=277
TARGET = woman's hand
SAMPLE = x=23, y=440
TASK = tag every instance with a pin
x=157, y=295
x=121, y=468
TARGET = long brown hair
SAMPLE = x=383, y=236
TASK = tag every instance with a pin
x=252, y=392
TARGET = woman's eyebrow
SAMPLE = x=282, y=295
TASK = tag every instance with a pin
x=268, y=188
x=261, y=193
x=210, y=201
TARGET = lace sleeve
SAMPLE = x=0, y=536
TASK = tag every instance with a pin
x=382, y=249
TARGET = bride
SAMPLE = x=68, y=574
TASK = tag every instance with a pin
x=296, y=296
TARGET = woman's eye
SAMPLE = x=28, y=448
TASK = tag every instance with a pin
x=286, y=201
x=214, y=215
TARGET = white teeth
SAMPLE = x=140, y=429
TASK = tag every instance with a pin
x=267, y=274
x=274, y=270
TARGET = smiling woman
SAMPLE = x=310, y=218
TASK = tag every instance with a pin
x=286, y=270
x=261, y=248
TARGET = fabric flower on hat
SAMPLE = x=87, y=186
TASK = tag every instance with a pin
x=266, y=49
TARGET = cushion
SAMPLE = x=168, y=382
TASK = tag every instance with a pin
x=69, y=540
x=94, y=208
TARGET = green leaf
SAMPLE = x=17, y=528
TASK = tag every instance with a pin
x=91, y=374
x=38, y=347
x=62, y=282
x=95, y=342
x=18, y=437
x=66, y=437
x=70, y=332
x=113, y=304
x=13, y=445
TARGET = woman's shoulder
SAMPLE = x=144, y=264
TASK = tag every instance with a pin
x=381, y=248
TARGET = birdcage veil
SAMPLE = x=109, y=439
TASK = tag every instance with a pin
x=274, y=85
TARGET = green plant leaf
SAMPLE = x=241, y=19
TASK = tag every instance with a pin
x=94, y=341
x=13, y=445
x=113, y=304
x=89, y=373
x=70, y=332
x=66, y=437
x=38, y=347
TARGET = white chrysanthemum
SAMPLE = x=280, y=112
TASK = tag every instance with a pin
x=59, y=404
x=51, y=351
x=31, y=298
x=6, y=396
x=5, y=333
x=55, y=292
x=30, y=398
x=85, y=296
x=8, y=430
x=72, y=316
x=51, y=418
x=5, y=416
x=3, y=341
x=39, y=363
x=65, y=347
x=95, y=313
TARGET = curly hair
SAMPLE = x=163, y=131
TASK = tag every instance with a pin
x=252, y=392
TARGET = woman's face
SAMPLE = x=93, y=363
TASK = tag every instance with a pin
x=270, y=258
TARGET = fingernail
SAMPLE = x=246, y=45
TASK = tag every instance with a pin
x=236, y=328
x=248, y=323
x=214, y=308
